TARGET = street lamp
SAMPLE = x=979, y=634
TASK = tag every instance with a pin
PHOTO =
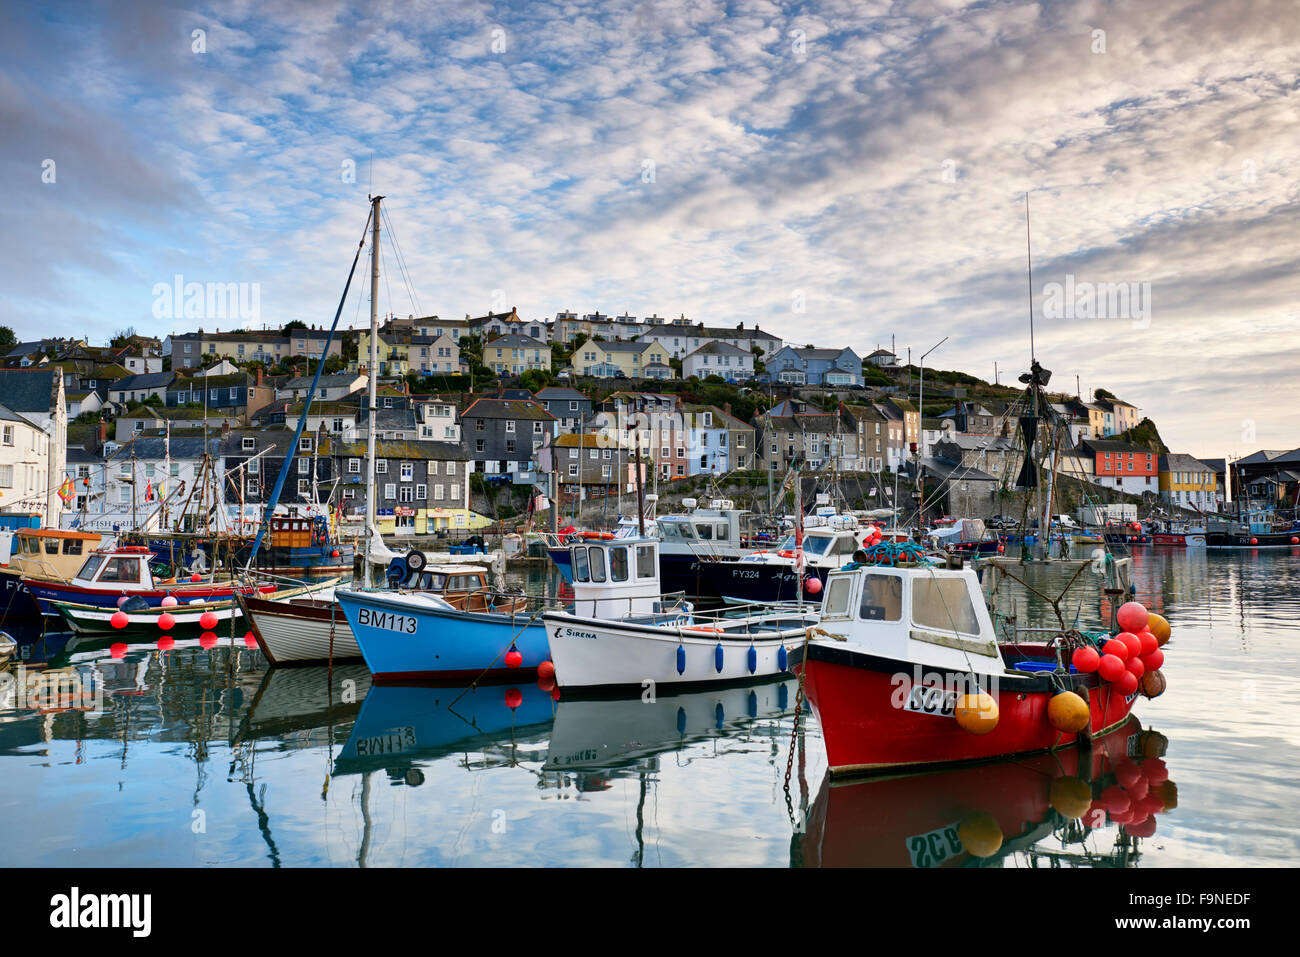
x=920, y=430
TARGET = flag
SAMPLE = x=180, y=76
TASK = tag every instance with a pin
x=148, y=491
x=67, y=491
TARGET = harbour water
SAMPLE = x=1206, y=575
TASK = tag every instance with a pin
x=203, y=756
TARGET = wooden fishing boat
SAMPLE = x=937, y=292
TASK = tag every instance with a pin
x=181, y=618
x=906, y=670
x=314, y=628
x=111, y=574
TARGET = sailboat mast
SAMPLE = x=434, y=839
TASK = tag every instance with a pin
x=372, y=388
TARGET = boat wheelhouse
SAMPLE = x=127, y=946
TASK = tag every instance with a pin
x=622, y=631
x=785, y=572
x=49, y=553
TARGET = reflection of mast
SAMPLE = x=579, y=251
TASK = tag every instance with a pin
x=263, y=820
x=365, y=805
x=639, y=857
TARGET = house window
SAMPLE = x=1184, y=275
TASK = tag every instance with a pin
x=510, y=425
x=304, y=444
x=437, y=492
x=421, y=492
x=248, y=444
x=381, y=466
x=406, y=494
x=573, y=470
x=304, y=467
x=254, y=466
x=390, y=490
x=478, y=445
x=432, y=467
x=595, y=454
x=354, y=466
x=408, y=471
x=451, y=468
x=304, y=487
x=537, y=428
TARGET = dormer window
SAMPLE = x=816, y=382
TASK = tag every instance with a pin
x=248, y=444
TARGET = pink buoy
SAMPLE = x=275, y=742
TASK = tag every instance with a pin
x=170, y=602
x=812, y=584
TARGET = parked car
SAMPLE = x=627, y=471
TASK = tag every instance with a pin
x=1002, y=522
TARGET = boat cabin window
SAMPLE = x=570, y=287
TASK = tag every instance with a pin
x=126, y=570
x=882, y=597
x=460, y=583
x=844, y=545
x=705, y=531
x=618, y=564
x=31, y=546
x=597, y=559
x=943, y=604
x=687, y=531
x=669, y=530
x=72, y=546
x=428, y=581
x=836, y=603
x=580, y=572
x=92, y=565
x=51, y=546
x=815, y=545
x=645, y=561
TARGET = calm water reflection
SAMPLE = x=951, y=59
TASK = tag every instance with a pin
x=138, y=756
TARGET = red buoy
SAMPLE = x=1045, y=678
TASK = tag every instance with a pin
x=208, y=620
x=118, y=650
x=1133, y=641
x=546, y=670
x=1110, y=667
x=166, y=642
x=334, y=554
x=514, y=698
x=165, y=621
x=1127, y=683
x=1154, y=661
x=1254, y=541
x=514, y=659
x=1132, y=616
x=1117, y=648
x=1085, y=659
x=812, y=584
x=119, y=619
x=1149, y=643
x=207, y=640
x=195, y=577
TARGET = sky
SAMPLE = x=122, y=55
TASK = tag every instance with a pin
x=845, y=173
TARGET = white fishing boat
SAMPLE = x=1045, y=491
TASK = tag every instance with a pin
x=622, y=632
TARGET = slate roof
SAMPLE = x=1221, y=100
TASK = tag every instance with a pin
x=29, y=390
x=489, y=408
x=145, y=380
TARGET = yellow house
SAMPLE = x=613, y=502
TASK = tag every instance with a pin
x=394, y=353
x=513, y=354
x=1187, y=482
x=635, y=360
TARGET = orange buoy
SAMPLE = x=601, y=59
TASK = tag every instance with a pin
x=1068, y=713
x=1158, y=626
x=977, y=713
x=980, y=834
x=1070, y=797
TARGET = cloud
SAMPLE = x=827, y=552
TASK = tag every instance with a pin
x=871, y=157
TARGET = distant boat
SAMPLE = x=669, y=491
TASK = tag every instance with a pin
x=48, y=553
x=112, y=574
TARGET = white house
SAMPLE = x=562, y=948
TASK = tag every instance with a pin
x=719, y=358
x=34, y=398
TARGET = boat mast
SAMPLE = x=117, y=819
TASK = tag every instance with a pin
x=372, y=388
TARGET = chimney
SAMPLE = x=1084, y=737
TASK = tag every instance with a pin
x=103, y=432
x=225, y=428
x=259, y=377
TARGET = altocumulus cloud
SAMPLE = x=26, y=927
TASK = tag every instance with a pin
x=716, y=160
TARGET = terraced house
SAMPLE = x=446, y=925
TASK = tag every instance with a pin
x=502, y=437
x=515, y=354
x=420, y=487
x=831, y=367
x=1187, y=482
x=614, y=359
x=238, y=396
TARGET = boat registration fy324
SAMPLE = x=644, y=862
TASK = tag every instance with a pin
x=387, y=620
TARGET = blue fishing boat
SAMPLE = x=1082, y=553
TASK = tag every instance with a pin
x=418, y=635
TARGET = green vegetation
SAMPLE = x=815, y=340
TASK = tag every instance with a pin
x=1146, y=435
x=7, y=337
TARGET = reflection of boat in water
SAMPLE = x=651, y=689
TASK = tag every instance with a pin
x=299, y=701
x=609, y=734
x=403, y=726
x=978, y=816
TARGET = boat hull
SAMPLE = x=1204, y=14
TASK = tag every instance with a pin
x=1244, y=540
x=408, y=638
x=742, y=582
x=593, y=653
x=95, y=620
x=858, y=699
x=48, y=592
x=291, y=633
x=16, y=600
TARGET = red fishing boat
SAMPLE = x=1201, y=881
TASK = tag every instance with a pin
x=905, y=670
